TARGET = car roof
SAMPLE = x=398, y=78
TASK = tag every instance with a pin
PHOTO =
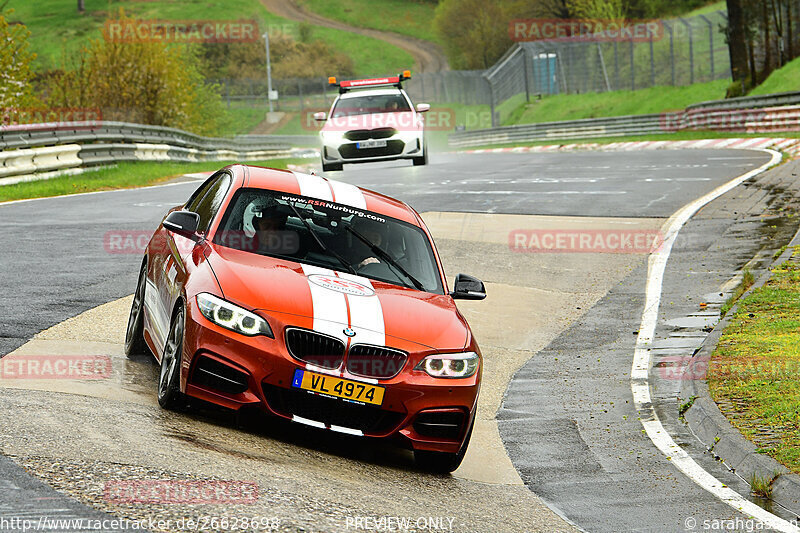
x=369, y=92
x=320, y=187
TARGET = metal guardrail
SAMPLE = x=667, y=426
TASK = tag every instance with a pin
x=750, y=102
x=37, y=151
x=572, y=129
x=777, y=112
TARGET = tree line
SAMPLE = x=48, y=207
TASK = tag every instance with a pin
x=762, y=35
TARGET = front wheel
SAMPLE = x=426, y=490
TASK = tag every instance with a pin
x=442, y=462
x=134, y=334
x=423, y=159
x=169, y=394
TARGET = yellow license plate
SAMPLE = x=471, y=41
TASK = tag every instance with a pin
x=338, y=387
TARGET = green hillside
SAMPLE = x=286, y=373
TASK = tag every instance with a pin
x=406, y=17
x=57, y=29
x=782, y=80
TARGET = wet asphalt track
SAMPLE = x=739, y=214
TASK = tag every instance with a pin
x=581, y=453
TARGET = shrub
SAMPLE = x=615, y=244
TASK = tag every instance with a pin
x=15, y=61
x=147, y=82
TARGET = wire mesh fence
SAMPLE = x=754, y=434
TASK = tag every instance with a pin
x=294, y=94
x=683, y=51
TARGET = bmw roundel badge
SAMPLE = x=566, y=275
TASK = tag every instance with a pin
x=350, y=332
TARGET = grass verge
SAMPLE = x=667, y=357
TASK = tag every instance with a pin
x=615, y=103
x=761, y=487
x=122, y=176
x=753, y=375
x=745, y=283
x=783, y=80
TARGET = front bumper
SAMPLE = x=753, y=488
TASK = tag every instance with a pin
x=421, y=412
x=397, y=147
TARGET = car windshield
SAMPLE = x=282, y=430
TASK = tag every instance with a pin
x=368, y=105
x=330, y=235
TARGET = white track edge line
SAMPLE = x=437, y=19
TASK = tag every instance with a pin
x=640, y=379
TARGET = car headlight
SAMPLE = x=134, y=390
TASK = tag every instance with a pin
x=333, y=137
x=450, y=365
x=232, y=317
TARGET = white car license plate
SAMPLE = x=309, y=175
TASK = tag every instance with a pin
x=376, y=143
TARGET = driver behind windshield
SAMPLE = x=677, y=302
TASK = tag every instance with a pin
x=374, y=232
x=269, y=225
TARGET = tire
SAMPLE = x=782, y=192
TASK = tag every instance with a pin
x=329, y=167
x=169, y=394
x=423, y=159
x=442, y=462
x=134, y=334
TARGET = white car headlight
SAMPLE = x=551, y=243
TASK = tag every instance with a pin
x=450, y=365
x=232, y=317
x=333, y=137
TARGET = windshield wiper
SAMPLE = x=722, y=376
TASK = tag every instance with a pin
x=322, y=245
x=386, y=257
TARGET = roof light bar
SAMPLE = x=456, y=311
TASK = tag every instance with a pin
x=395, y=81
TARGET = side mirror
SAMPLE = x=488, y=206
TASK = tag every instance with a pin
x=183, y=223
x=423, y=108
x=320, y=116
x=468, y=288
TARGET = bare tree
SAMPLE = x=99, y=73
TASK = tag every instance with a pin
x=81, y=7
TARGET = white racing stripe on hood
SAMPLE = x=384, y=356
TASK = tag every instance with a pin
x=366, y=315
x=320, y=188
x=347, y=194
x=329, y=307
x=330, y=310
x=313, y=186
